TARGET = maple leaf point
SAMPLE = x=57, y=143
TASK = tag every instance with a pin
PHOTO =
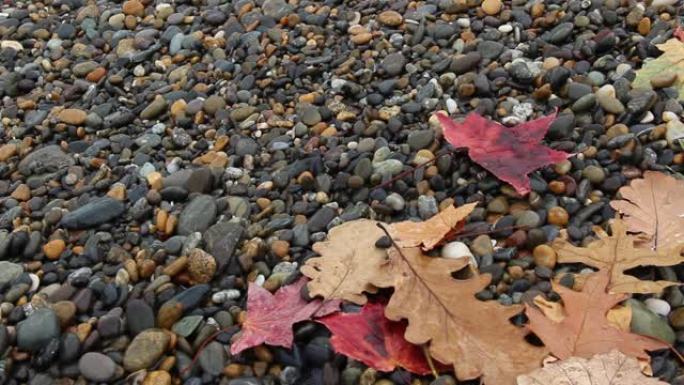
x=270, y=317
x=510, y=153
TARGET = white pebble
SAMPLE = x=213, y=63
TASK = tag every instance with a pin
x=234, y=172
x=139, y=70
x=35, y=282
x=511, y=120
x=13, y=44
x=658, y=306
x=225, y=296
x=337, y=83
x=451, y=106
x=648, y=117
x=457, y=250
x=463, y=22
x=395, y=201
x=505, y=28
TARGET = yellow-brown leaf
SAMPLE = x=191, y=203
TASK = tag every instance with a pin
x=431, y=232
x=654, y=206
x=585, y=330
x=475, y=337
x=615, y=254
x=348, y=263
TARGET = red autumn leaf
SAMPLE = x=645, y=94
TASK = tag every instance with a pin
x=270, y=317
x=371, y=338
x=510, y=153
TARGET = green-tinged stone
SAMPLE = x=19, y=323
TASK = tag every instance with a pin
x=647, y=323
x=187, y=325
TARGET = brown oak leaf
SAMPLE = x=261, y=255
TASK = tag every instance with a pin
x=431, y=232
x=654, y=206
x=615, y=254
x=613, y=368
x=476, y=337
x=585, y=330
x=349, y=261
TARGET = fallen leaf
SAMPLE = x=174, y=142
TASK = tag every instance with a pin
x=672, y=61
x=431, y=232
x=510, y=153
x=349, y=261
x=270, y=317
x=475, y=337
x=552, y=310
x=620, y=317
x=654, y=206
x=371, y=338
x=615, y=254
x=613, y=368
x=585, y=330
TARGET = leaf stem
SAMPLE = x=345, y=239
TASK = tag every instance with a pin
x=428, y=358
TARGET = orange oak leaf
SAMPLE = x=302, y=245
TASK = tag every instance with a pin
x=270, y=317
x=585, y=330
x=510, y=153
x=615, y=254
x=613, y=368
x=431, y=232
x=371, y=338
x=476, y=337
x=654, y=206
x=349, y=260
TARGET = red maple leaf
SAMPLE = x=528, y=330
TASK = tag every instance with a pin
x=371, y=338
x=270, y=317
x=510, y=153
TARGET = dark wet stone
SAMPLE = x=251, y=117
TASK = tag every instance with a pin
x=213, y=358
x=221, y=240
x=140, y=316
x=191, y=180
x=466, y=62
x=47, y=159
x=559, y=33
x=394, y=64
x=37, y=330
x=490, y=49
x=198, y=215
x=97, y=367
x=94, y=214
x=562, y=126
x=321, y=218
